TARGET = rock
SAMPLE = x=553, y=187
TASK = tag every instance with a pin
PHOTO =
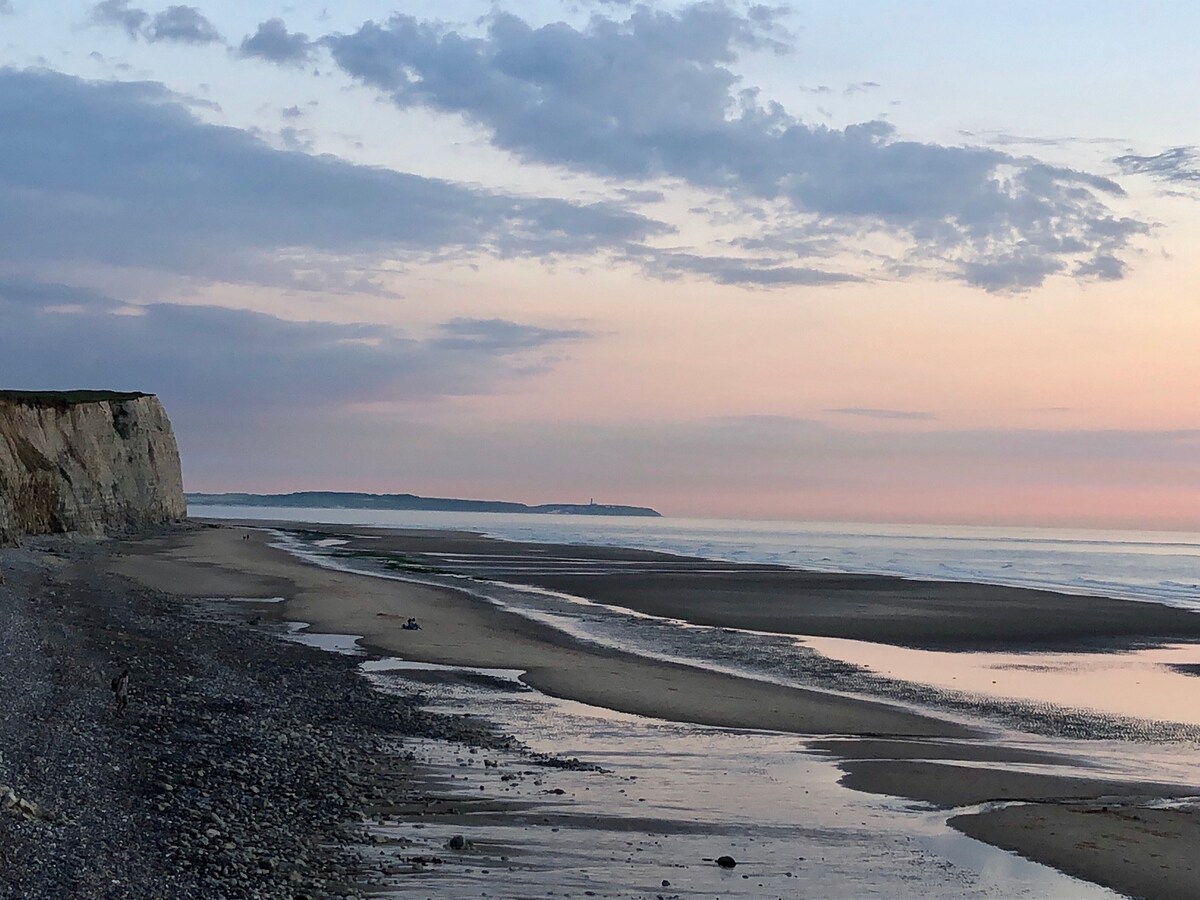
x=458, y=842
x=86, y=461
x=726, y=862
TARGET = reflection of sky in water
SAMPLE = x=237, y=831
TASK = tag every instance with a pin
x=1136, y=683
x=674, y=795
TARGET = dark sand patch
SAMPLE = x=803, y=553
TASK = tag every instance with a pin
x=1138, y=852
x=949, y=786
x=881, y=749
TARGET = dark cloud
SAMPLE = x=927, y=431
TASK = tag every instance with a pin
x=183, y=24
x=868, y=413
x=1103, y=267
x=1179, y=165
x=119, y=14
x=123, y=174
x=210, y=358
x=25, y=292
x=653, y=96
x=1021, y=269
x=274, y=43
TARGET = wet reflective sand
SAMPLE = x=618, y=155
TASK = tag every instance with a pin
x=673, y=798
x=1152, y=683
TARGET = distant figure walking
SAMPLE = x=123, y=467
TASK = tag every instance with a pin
x=120, y=689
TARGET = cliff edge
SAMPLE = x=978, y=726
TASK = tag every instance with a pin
x=88, y=461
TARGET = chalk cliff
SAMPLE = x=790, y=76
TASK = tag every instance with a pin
x=89, y=461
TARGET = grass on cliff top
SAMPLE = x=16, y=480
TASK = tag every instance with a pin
x=66, y=398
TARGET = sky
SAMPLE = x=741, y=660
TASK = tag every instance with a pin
x=880, y=261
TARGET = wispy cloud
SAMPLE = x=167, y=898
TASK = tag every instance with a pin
x=860, y=87
x=869, y=413
x=739, y=270
x=1179, y=165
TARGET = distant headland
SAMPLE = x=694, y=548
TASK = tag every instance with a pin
x=355, y=500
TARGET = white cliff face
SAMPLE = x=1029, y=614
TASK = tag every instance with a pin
x=93, y=465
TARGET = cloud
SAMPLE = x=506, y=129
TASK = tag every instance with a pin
x=868, y=413
x=635, y=196
x=210, y=360
x=738, y=270
x=1021, y=269
x=274, y=43
x=182, y=24
x=500, y=335
x=1179, y=165
x=119, y=14
x=652, y=97
x=123, y=174
x=1103, y=267
x=29, y=293
x=5, y=7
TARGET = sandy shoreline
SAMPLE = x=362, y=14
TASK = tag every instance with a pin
x=878, y=608
x=462, y=630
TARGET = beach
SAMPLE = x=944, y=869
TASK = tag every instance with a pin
x=243, y=766
x=885, y=748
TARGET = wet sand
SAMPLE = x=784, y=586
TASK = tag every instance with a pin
x=877, y=608
x=461, y=630
x=1139, y=852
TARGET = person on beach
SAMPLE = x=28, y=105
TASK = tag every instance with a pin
x=120, y=689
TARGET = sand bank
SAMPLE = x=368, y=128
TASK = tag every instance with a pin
x=878, y=608
x=1137, y=851
x=461, y=630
